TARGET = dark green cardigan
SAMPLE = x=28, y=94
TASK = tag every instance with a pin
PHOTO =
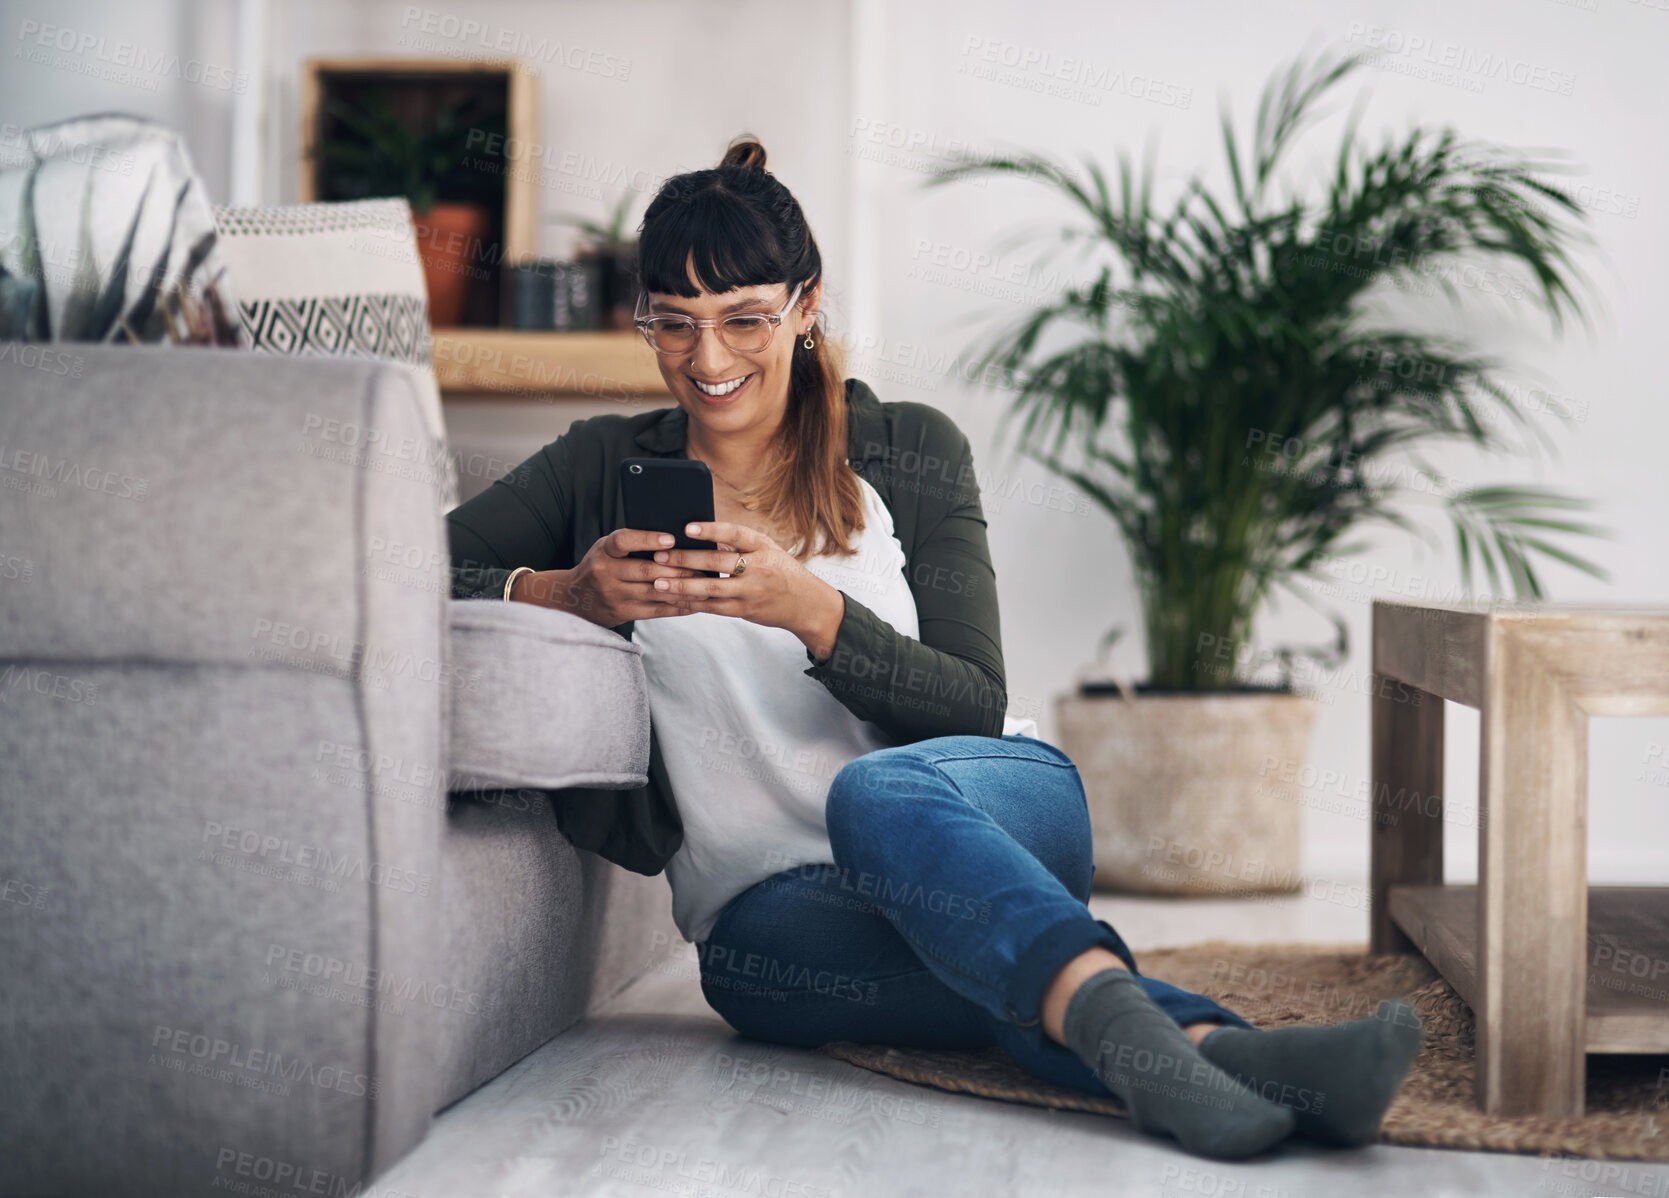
x=550, y=510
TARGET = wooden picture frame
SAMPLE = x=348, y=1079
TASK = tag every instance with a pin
x=516, y=225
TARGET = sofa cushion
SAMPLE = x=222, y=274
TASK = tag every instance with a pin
x=337, y=280
x=543, y=699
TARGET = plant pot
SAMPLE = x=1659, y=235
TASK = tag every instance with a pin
x=617, y=274
x=450, y=241
x=1190, y=793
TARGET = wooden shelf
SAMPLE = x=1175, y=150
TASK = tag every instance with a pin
x=1628, y=933
x=505, y=363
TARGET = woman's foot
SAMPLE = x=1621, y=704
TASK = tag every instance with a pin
x=1336, y=1080
x=1143, y=1057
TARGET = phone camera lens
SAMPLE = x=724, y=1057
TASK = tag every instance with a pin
x=637, y=469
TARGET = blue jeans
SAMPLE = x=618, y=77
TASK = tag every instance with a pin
x=958, y=890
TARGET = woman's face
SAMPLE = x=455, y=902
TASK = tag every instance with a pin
x=704, y=378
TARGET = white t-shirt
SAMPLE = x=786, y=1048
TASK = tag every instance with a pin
x=750, y=742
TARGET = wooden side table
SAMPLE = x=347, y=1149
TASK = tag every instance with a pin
x=1516, y=946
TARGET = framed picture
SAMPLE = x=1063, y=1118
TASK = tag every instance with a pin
x=447, y=135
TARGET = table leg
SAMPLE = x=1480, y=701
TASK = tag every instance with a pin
x=1406, y=834
x=1532, y=887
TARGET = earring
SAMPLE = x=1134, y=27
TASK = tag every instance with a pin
x=808, y=341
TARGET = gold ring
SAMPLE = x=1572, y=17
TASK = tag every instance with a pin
x=741, y=565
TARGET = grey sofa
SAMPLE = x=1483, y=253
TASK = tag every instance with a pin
x=246, y=936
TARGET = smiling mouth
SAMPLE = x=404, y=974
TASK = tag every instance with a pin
x=720, y=390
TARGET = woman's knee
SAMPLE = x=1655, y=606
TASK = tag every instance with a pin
x=872, y=793
x=1046, y=810
x=867, y=788
x=1050, y=814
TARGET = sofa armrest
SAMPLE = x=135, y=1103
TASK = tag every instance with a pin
x=543, y=699
x=229, y=789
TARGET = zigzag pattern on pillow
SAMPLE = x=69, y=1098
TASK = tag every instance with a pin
x=378, y=326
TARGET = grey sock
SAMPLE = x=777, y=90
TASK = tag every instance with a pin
x=1337, y=1080
x=1142, y=1055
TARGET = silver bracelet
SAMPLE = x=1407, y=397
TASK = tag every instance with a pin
x=511, y=581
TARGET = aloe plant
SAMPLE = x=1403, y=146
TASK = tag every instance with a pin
x=1220, y=325
x=96, y=308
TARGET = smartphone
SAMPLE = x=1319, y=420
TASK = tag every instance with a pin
x=663, y=495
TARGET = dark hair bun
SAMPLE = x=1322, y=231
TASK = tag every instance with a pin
x=744, y=151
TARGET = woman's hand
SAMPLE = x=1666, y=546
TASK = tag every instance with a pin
x=607, y=587
x=776, y=590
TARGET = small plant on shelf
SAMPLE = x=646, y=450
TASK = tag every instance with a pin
x=613, y=250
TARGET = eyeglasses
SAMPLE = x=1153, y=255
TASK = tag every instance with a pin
x=743, y=332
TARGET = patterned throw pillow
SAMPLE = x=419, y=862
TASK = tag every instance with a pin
x=106, y=236
x=341, y=280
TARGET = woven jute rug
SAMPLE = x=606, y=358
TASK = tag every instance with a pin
x=1286, y=985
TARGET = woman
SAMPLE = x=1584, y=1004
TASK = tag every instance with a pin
x=862, y=846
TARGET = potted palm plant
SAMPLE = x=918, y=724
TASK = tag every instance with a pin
x=1227, y=388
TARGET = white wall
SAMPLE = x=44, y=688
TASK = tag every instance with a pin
x=820, y=83
x=88, y=65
